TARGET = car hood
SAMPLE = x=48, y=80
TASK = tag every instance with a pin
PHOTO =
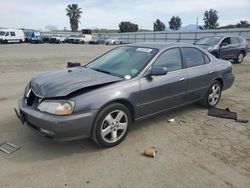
x=63, y=82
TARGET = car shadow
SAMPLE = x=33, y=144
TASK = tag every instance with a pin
x=165, y=116
x=37, y=148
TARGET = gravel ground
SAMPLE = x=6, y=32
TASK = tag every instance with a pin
x=195, y=151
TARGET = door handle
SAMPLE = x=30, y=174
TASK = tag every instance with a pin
x=181, y=79
x=211, y=72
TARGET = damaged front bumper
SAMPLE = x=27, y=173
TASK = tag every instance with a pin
x=61, y=128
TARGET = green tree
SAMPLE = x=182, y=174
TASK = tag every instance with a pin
x=74, y=14
x=175, y=23
x=159, y=26
x=243, y=24
x=128, y=27
x=210, y=19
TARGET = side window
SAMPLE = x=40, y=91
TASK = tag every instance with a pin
x=171, y=59
x=206, y=59
x=227, y=40
x=234, y=40
x=12, y=34
x=192, y=57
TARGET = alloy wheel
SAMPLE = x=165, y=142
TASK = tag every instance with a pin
x=114, y=126
x=240, y=57
x=214, y=94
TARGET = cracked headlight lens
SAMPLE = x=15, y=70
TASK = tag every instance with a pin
x=57, y=107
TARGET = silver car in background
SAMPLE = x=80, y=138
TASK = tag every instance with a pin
x=225, y=47
x=101, y=99
x=113, y=41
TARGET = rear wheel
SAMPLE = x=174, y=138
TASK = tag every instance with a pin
x=213, y=95
x=112, y=125
x=240, y=58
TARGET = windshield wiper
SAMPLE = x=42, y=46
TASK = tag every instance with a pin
x=100, y=70
x=106, y=72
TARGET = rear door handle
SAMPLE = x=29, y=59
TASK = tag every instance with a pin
x=181, y=79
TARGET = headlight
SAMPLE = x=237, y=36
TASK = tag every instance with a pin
x=57, y=107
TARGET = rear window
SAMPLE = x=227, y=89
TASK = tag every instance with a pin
x=192, y=56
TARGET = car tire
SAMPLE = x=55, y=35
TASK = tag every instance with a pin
x=213, y=95
x=6, y=42
x=112, y=125
x=240, y=58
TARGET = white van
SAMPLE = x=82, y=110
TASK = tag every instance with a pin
x=11, y=35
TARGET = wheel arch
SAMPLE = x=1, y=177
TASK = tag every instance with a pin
x=244, y=53
x=122, y=101
x=220, y=80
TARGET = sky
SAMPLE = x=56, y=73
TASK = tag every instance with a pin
x=37, y=14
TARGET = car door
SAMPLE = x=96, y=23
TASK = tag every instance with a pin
x=235, y=47
x=159, y=93
x=225, y=48
x=199, y=72
x=7, y=36
x=13, y=37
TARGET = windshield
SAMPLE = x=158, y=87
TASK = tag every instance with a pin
x=208, y=41
x=2, y=33
x=123, y=61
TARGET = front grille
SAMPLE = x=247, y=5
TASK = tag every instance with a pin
x=32, y=99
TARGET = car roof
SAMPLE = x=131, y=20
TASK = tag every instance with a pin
x=223, y=36
x=158, y=45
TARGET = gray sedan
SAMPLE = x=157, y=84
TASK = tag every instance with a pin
x=103, y=98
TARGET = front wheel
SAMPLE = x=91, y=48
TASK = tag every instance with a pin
x=213, y=95
x=240, y=58
x=112, y=125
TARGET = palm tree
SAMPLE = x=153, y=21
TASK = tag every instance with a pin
x=74, y=14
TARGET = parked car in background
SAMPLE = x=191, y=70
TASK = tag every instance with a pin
x=36, y=37
x=101, y=99
x=225, y=47
x=71, y=38
x=57, y=39
x=79, y=39
x=113, y=41
x=32, y=36
x=45, y=38
x=11, y=36
x=96, y=40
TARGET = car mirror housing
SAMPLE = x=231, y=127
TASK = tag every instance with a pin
x=156, y=71
x=73, y=64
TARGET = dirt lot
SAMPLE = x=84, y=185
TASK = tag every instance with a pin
x=195, y=151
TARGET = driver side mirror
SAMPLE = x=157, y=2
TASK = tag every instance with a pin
x=156, y=71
